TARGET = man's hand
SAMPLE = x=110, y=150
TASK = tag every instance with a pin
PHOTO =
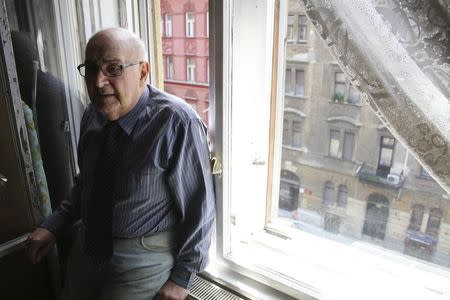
x=40, y=241
x=171, y=291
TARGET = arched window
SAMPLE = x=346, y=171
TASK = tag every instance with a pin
x=434, y=221
x=342, y=196
x=415, y=222
x=328, y=193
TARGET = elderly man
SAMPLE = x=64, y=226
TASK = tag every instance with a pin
x=144, y=194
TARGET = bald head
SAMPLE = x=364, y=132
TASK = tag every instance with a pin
x=116, y=71
x=121, y=40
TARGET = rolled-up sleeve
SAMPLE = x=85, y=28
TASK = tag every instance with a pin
x=191, y=185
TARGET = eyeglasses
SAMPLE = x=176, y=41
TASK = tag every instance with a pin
x=89, y=69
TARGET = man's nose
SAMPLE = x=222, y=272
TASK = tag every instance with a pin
x=100, y=79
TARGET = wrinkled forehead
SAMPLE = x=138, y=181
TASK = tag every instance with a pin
x=104, y=48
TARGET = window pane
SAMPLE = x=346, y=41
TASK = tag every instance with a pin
x=299, y=83
x=349, y=142
x=290, y=29
x=302, y=29
x=296, y=134
x=334, y=143
x=186, y=55
x=288, y=81
x=353, y=96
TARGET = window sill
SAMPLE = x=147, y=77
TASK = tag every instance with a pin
x=301, y=149
x=295, y=96
x=332, y=266
x=186, y=82
x=346, y=103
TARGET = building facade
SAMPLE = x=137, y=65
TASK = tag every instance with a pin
x=184, y=28
x=342, y=170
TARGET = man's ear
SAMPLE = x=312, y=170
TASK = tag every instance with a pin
x=145, y=68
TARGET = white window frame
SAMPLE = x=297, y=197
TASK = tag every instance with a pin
x=190, y=69
x=168, y=25
x=190, y=24
x=169, y=67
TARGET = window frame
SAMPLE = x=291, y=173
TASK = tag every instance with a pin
x=190, y=24
x=168, y=25
x=191, y=67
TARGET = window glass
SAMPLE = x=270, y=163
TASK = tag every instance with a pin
x=302, y=29
x=288, y=81
x=349, y=143
x=296, y=133
x=187, y=54
x=299, y=83
x=334, y=143
x=290, y=29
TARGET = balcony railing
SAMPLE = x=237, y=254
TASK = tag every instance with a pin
x=369, y=175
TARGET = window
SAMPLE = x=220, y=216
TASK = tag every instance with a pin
x=190, y=67
x=434, y=222
x=207, y=24
x=288, y=82
x=169, y=67
x=336, y=214
x=190, y=24
x=296, y=134
x=328, y=193
x=290, y=29
x=302, y=29
x=349, y=145
x=415, y=222
x=385, y=156
x=342, y=196
x=344, y=92
x=168, y=25
x=335, y=140
x=292, y=131
x=295, y=82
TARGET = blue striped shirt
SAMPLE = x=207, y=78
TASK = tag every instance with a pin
x=164, y=180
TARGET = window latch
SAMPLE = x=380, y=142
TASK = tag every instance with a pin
x=216, y=166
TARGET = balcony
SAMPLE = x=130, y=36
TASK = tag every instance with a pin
x=369, y=175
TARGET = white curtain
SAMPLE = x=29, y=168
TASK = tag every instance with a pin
x=397, y=53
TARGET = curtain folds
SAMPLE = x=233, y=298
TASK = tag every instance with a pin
x=397, y=53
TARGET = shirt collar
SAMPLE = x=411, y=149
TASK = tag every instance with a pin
x=128, y=121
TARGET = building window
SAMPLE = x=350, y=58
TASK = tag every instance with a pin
x=169, y=67
x=302, y=29
x=168, y=25
x=344, y=92
x=295, y=82
x=386, y=155
x=292, y=132
x=207, y=71
x=288, y=80
x=299, y=83
x=434, y=222
x=415, y=222
x=207, y=24
x=349, y=145
x=190, y=67
x=289, y=191
x=328, y=193
x=296, y=134
x=342, y=196
x=190, y=24
x=290, y=29
x=334, y=143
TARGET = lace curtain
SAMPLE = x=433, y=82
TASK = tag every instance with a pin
x=397, y=53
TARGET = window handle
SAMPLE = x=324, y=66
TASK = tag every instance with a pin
x=258, y=162
x=3, y=180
